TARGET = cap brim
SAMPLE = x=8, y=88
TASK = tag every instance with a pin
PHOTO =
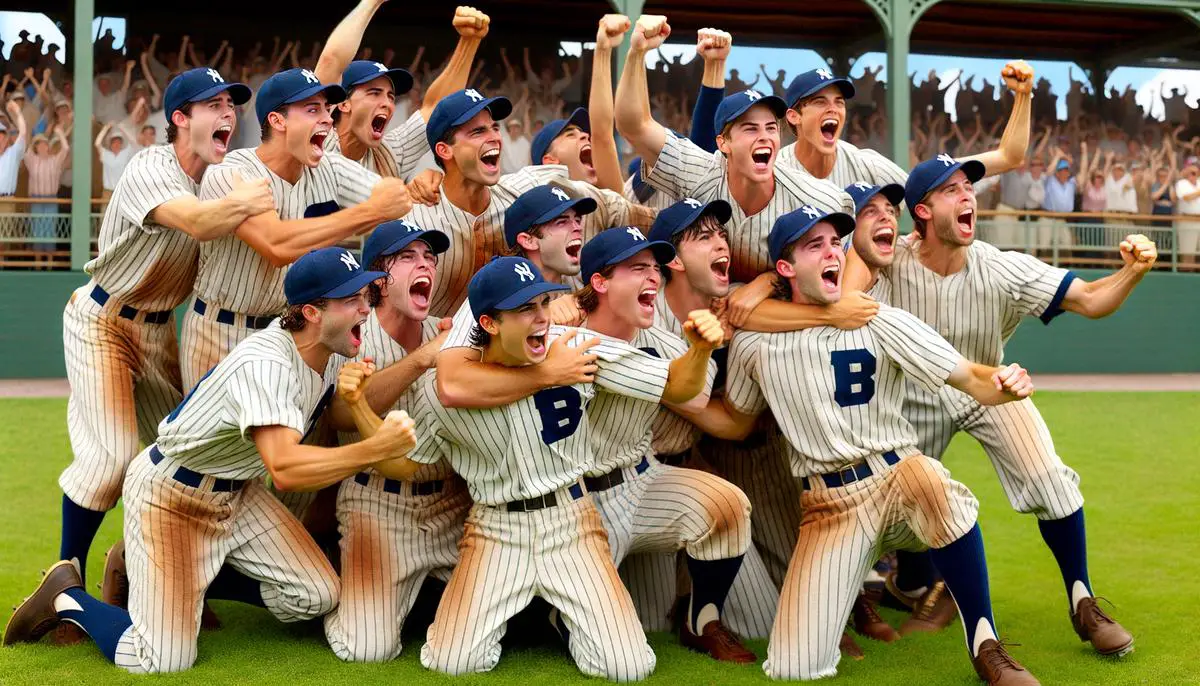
x=438, y=242
x=499, y=106
x=841, y=221
x=354, y=285
x=973, y=169
x=778, y=107
x=580, y=205
x=334, y=93
x=239, y=92
x=844, y=85
x=663, y=251
x=719, y=209
x=894, y=192
x=526, y=294
x=402, y=81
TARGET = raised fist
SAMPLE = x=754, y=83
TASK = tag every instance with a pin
x=651, y=32
x=1018, y=76
x=352, y=380
x=471, y=23
x=713, y=44
x=1139, y=253
x=611, y=31
x=390, y=196
x=703, y=329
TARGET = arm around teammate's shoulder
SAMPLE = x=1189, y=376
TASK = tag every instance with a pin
x=205, y=220
x=294, y=466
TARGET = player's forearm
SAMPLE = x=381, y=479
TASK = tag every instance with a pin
x=714, y=73
x=389, y=383
x=600, y=112
x=342, y=44
x=775, y=316
x=1014, y=142
x=686, y=376
x=203, y=220
x=632, y=109
x=466, y=383
x=976, y=381
x=310, y=468
x=716, y=420
x=1102, y=297
x=453, y=77
x=283, y=242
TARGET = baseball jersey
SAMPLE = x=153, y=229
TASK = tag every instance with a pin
x=262, y=382
x=835, y=394
x=399, y=152
x=664, y=318
x=657, y=200
x=685, y=170
x=538, y=444
x=977, y=309
x=378, y=345
x=140, y=263
x=232, y=275
x=851, y=164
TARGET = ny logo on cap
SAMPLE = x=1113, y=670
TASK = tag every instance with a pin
x=348, y=260
x=691, y=202
x=560, y=194
x=825, y=74
x=474, y=95
x=862, y=186
x=522, y=269
x=811, y=211
x=635, y=232
x=380, y=67
x=215, y=76
x=945, y=159
x=309, y=76
x=408, y=227
x=753, y=95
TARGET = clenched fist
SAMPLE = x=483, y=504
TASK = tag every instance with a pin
x=397, y=433
x=1138, y=253
x=652, y=31
x=703, y=330
x=611, y=31
x=471, y=23
x=253, y=196
x=1014, y=381
x=713, y=44
x=1018, y=76
x=352, y=380
x=425, y=188
x=390, y=197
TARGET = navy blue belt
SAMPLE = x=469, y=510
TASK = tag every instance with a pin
x=616, y=477
x=855, y=472
x=396, y=486
x=542, y=501
x=229, y=316
x=674, y=459
x=187, y=477
x=101, y=297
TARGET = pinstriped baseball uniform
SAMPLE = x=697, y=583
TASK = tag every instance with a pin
x=124, y=372
x=977, y=310
x=178, y=536
x=399, y=152
x=851, y=164
x=844, y=410
x=232, y=276
x=657, y=201
x=685, y=170
x=394, y=534
x=535, y=447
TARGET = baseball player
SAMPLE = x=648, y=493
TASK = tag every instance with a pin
x=361, y=121
x=742, y=172
x=393, y=533
x=118, y=331
x=866, y=487
x=197, y=516
x=975, y=296
x=533, y=530
x=817, y=114
x=545, y=226
x=320, y=199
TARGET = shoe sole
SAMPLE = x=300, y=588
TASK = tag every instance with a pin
x=49, y=572
x=1118, y=652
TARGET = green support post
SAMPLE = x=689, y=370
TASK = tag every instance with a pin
x=632, y=9
x=81, y=160
x=898, y=27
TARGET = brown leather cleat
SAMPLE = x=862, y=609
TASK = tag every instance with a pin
x=1106, y=636
x=114, y=585
x=994, y=665
x=35, y=617
x=934, y=611
x=67, y=634
x=891, y=595
x=849, y=647
x=867, y=621
x=718, y=642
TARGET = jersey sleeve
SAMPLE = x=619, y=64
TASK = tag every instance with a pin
x=354, y=181
x=680, y=167
x=149, y=180
x=460, y=328
x=407, y=144
x=923, y=355
x=742, y=390
x=881, y=290
x=218, y=181
x=428, y=447
x=261, y=394
x=1037, y=289
x=625, y=370
x=883, y=170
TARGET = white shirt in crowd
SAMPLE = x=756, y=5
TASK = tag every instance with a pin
x=114, y=164
x=514, y=153
x=1183, y=187
x=10, y=165
x=1120, y=195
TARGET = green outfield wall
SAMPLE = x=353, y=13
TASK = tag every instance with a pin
x=1158, y=330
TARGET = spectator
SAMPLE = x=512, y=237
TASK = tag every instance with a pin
x=108, y=105
x=1162, y=195
x=1187, y=192
x=1059, y=197
x=12, y=150
x=45, y=169
x=113, y=158
x=1119, y=193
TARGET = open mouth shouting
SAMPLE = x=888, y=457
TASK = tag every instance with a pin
x=420, y=290
x=829, y=129
x=356, y=334
x=378, y=123
x=831, y=275
x=966, y=222
x=221, y=137
x=537, y=343
x=585, y=155
x=646, y=301
x=490, y=160
x=884, y=239
x=720, y=269
x=573, y=248
x=761, y=156
x=318, y=142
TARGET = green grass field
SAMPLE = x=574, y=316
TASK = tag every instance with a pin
x=1135, y=452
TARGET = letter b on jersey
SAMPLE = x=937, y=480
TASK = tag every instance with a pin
x=853, y=377
x=560, y=408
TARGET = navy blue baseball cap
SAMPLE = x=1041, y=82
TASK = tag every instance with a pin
x=291, y=86
x=364, y=71
x=326, y=273
x=391, y=237
x=538, y=206
x=863, y=192
x=543, y=139
x=791, y=226
x=199, y=84
x=734, y=106
x=810, y=82
x=507, y=283
x=457, y=109
x=615, y=245
x=930, y=174
x=681, y=215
